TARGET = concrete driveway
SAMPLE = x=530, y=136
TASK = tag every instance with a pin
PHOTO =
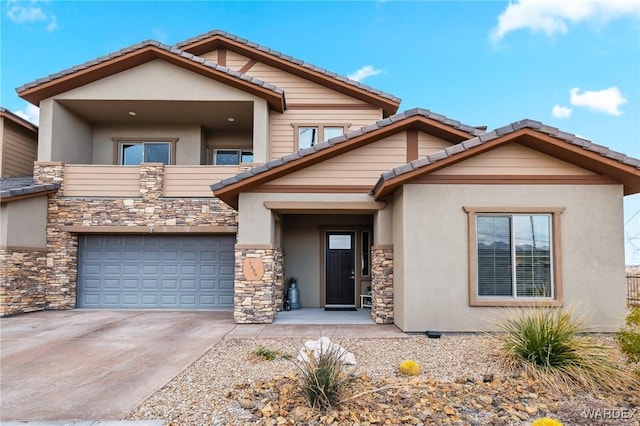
x=97, y=365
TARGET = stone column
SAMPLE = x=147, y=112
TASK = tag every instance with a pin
x=49, y=172
x=255, y=285
x=151, y=181
x=382, y=284
x=279, y=277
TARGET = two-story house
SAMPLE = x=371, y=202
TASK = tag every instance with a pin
x=201, y=175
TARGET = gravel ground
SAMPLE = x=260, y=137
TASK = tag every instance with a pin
x=461, y=382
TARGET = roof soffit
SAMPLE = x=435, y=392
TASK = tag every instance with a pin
x=218, y=40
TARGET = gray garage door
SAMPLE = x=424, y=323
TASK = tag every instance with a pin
x=155, y=271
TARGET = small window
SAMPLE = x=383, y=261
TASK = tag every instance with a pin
x=231, y=157
x=310, y=135
x=133, y=153
x=513, y=257
x=366, y=254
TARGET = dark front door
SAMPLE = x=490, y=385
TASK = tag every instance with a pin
x=340, y=272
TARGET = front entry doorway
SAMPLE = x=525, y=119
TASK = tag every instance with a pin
x=340, y=268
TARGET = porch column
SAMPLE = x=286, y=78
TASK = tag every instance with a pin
x=256, y=284
x=382, y=284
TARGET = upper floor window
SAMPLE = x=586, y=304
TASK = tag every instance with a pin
x=135, y=152
x=309, y=135
x=513, y=257
x=232, y=157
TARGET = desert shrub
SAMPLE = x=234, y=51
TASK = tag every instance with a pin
x=409, y=368
x=548, y=344
x=629, y=337
x=546, y=421
x=324, y=380
x=269, y=355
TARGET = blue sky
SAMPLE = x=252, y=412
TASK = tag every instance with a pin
x=573, y=64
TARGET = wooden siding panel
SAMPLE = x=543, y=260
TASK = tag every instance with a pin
x=513, y=159
x=361, y=166
x=234, y=61
x=428, y=144
x=20, y=151
x=282, y=131
x=299, y=90
x=101, y=181
x=195, y=181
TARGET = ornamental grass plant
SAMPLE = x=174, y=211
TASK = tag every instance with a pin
x=550, y=345
x=324, y=379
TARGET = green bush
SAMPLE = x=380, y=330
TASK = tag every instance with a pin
x=269, y=355
x=324, y=380
x=547, y=343
x=629, y=337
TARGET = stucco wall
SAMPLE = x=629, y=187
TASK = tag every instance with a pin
x=63, y=136
x=432, y=282
x=23, y=223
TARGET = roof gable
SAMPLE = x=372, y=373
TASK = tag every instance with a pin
x=139, y=54
x=6, y=114
x=532, y=134
x=222, y=40
x=420, y=119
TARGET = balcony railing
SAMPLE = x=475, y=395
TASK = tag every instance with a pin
x=87, y=180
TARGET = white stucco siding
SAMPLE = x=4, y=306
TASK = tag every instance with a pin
x=432, y=281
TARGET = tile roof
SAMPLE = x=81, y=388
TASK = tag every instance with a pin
x=472, y=131
x=502, y=131
x=288, y=58
x=23, y=185
x=170, y=49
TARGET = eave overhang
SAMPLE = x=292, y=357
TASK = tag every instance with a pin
x=220, y=40
x=532, y=134
x=137, y=55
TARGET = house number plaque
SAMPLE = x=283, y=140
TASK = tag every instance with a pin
x=252, y=268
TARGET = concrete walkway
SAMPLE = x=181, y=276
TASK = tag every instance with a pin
x=99, y=365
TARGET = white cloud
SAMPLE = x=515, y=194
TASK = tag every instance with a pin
x=22, y=12
x=364, y=72
x=561, y=112
x=553, y=16
x=30, y=113
x=606, y=100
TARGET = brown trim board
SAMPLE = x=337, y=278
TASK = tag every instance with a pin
x=158, y=229
x=222, y=57
x=25, y=196
x=246, y=67
x=412, y=145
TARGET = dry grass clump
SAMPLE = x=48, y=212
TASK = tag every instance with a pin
x=548, y=344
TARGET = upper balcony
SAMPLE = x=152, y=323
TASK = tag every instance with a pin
x=147, y=180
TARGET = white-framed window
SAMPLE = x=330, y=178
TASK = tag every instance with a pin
x=232, y=157
x=514, y=256
x=307, y=135
x=135, y=152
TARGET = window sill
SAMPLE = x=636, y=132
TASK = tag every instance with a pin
x=550, y=303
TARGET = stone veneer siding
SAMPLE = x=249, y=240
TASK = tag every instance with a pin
x=23, y=276
x=382, y=285
x=150, y=210
x=256, y=302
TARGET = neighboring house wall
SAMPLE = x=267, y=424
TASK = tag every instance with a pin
x=431, y=248
x=23, y=255
x=19, y=149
